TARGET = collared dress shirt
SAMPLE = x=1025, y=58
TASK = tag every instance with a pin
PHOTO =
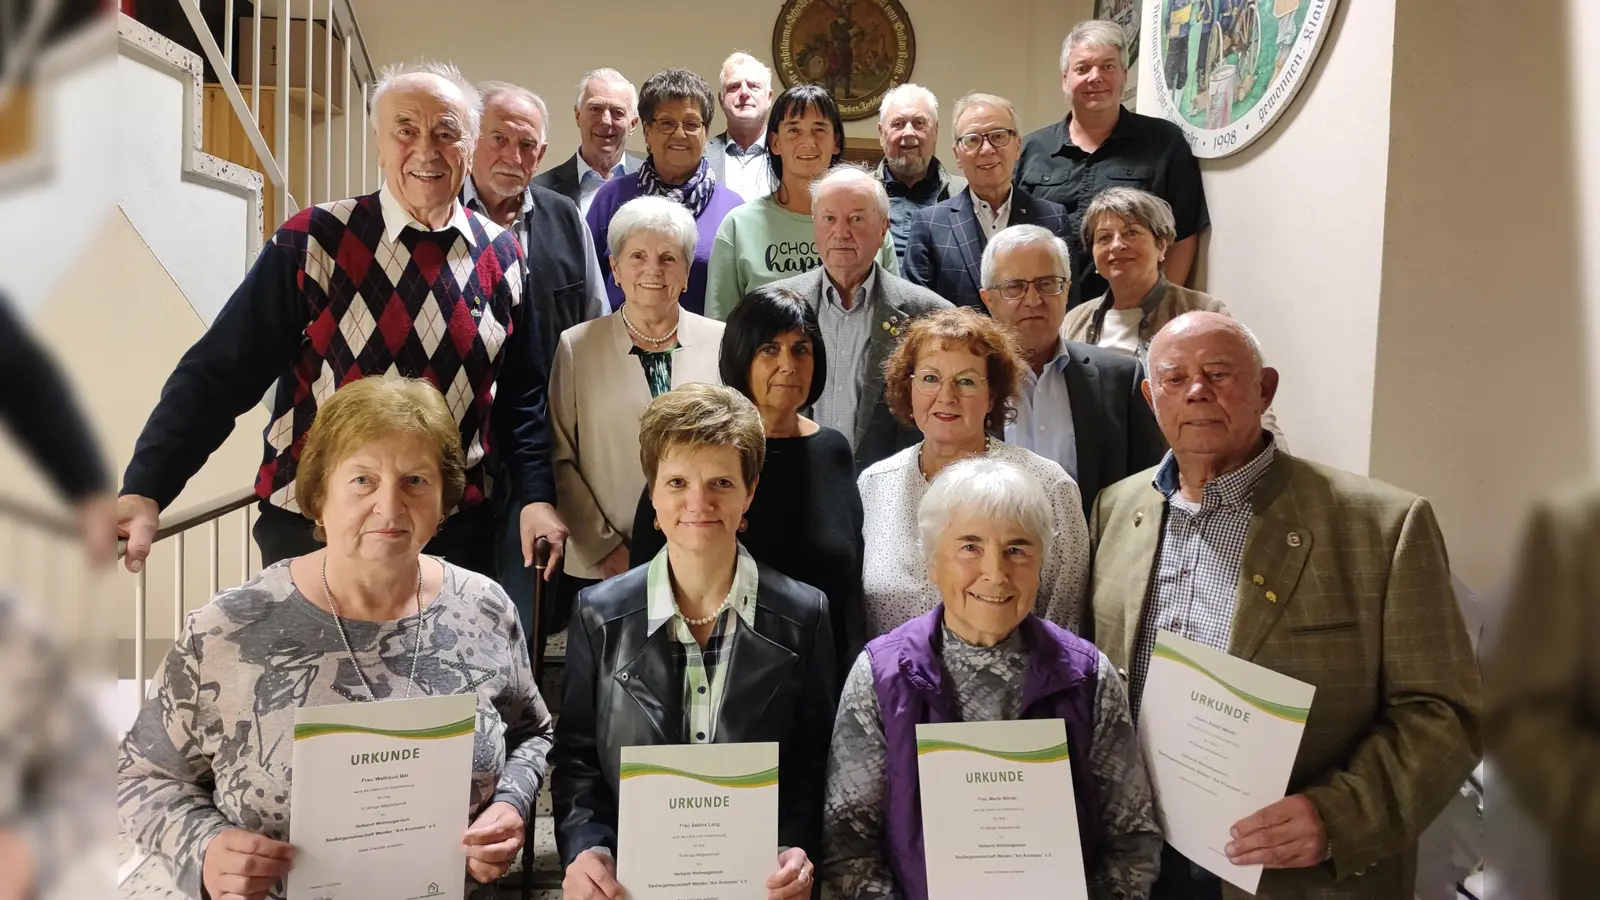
x=1044, y=414
x=846, y=333
x=705, y=675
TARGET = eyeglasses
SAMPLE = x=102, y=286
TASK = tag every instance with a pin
x=1017, y=288
x=997, y=138
x=928, y=383
x=666, y=127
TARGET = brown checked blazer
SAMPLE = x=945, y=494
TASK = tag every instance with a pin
x=1353, y=597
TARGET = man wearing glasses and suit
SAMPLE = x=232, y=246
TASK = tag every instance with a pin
x=945, y=247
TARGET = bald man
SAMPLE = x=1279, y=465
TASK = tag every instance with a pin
x=363, y=287
x=1330, y=578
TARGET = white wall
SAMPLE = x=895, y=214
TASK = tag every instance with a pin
x=1008, y=47
x=1296, y=241
x=196, y=230
x=1583, y=74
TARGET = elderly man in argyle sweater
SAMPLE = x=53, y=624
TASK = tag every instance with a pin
x=406, y=281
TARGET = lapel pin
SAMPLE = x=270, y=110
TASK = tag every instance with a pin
x=886, y=326
x=1257, y=580
x=1294, y=538
x=1137, y=518
x=895, y=332
x=1272, y=597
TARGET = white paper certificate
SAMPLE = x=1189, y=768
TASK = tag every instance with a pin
x=380, y=799
x=998, y=814
x=698, y=821
x=1220, y=736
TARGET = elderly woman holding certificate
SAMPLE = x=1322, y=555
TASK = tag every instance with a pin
x=701, y=645
x=981, y=655
x=204, y=777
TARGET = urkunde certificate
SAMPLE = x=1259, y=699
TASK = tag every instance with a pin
x=1220, y=736
x=698, y=821
x=380, y=799
x=998, y=814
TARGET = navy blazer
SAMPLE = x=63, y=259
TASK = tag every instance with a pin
x=945, y=250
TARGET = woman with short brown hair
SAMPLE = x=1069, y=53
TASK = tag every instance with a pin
x=204, y=777
x=727, y=650
x=955, y=375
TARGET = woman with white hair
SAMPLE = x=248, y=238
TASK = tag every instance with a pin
x=606, y=372
x=981, y=655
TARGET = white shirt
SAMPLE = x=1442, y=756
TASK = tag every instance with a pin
x=396, y=219
x=590, y=182
x=747, y=173
x=1121, y=330
x=894, y=576
x=992, y=218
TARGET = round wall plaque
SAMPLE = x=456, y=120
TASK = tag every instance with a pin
x=857, y=49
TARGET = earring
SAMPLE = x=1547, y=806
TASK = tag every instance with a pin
x=743, y=523
x=656, y=524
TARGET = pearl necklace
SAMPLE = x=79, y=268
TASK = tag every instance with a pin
x=705, y=621
x=641, y=336
x=338, y=622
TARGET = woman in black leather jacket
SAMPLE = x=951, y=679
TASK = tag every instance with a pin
x=643, y=649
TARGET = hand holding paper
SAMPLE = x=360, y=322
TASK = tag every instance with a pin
x=592, y=876
x=1288, y=834
x=793, y=878
x=492, y=842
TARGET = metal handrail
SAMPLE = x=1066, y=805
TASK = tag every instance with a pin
x=46, y=520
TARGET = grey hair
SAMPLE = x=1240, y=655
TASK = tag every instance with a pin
x=604, y=74
x=656, y=215
x=992, y=488
x=854, y=171
x=438, y=69
x=1015, y=236
x=1095, y=33
x=1130, y=205
x=492, y=89
x=909, y=91
x=741, y=58
x=976, y=98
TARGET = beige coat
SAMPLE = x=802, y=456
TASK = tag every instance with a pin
x=598, y=394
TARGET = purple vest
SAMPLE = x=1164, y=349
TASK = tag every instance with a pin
x=910, y=682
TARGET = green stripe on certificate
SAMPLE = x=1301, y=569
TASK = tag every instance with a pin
x=1281, y=710
x=1058, y=753
x=764, y=778
x=309, y=730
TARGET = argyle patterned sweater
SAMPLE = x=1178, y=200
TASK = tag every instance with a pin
x=332, y=299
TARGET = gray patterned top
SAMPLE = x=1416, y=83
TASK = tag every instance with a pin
x=212, y=748
x=988, y=687
x=53, y=784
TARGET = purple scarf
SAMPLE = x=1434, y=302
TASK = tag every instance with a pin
x=694, y=194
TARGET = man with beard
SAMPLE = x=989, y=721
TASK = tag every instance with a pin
x=607, y=112
x=908, y=129
x=738, y=156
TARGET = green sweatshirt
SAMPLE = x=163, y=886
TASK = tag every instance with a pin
x=761, y=242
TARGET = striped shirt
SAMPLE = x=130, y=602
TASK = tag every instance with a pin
x=846, y=333
x=704, y=677
x=1196, y=582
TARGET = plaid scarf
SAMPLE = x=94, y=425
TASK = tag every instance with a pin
x=693, y=194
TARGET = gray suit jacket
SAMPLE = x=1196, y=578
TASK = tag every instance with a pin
x=563, y=179
x=894, y=301
x=717, y=156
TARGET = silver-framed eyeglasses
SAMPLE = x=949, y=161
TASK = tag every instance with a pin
x=667, y=127
x=928, y=382
x=997, y=138
x=1017, y=288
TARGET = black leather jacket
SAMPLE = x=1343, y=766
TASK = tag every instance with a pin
x=622, y=691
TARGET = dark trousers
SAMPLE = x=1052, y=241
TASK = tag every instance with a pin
x=465, y=539
x=1182, y=880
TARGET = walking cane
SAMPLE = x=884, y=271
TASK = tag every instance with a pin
x=541, y=561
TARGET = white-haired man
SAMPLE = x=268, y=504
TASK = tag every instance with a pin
x=738, y=156
x=861, y=310
x=908, y=130
x=1099, y=145
x=607, y=112
x=362, y=287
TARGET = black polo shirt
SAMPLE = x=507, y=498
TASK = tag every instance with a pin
x=905, y=202
x=1142, y=152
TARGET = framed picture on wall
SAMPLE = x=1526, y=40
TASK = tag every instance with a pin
x=1126, y=14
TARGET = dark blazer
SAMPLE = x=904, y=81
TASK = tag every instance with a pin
x=563, y=179
x=622, y=691
x=717, y=155
x=1112, y=424
x=895, y=302
x=945, y=249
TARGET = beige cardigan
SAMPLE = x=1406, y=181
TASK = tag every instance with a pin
x=598, y=394
x=1165, y=302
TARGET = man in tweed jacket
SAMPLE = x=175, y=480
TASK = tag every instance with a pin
x=1327, y=577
